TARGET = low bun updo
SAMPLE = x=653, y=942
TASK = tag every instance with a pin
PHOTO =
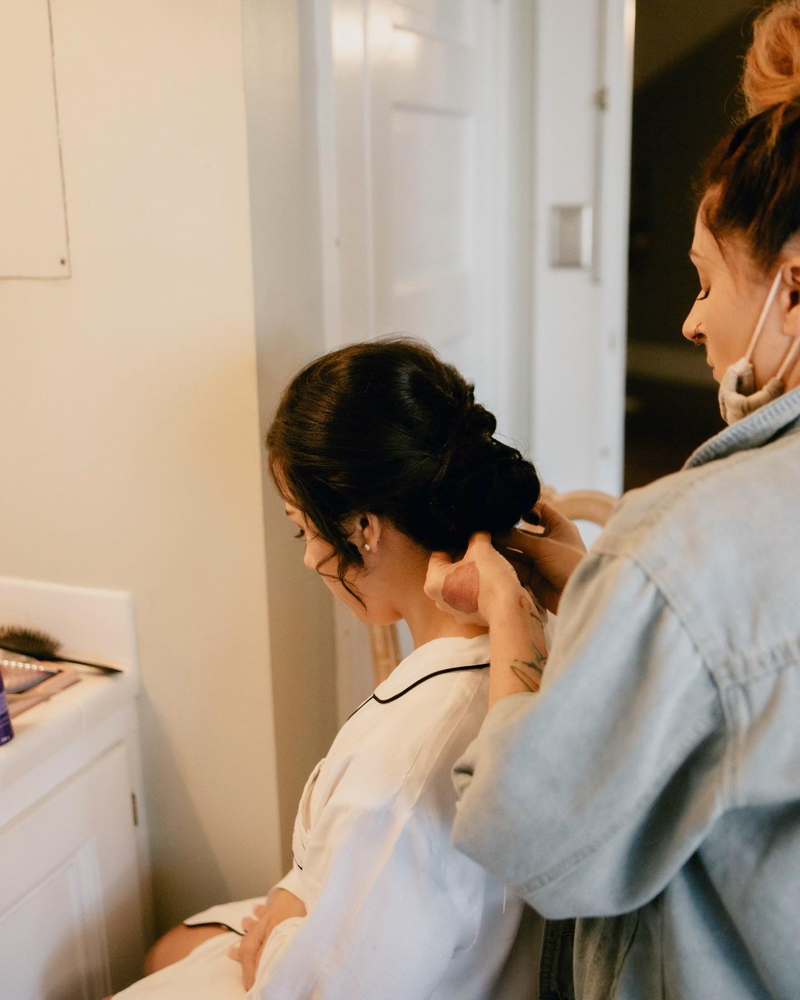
x=386, y=427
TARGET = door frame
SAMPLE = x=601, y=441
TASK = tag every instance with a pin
x=583, y=104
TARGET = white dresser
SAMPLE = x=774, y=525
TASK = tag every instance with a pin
x=74, y=873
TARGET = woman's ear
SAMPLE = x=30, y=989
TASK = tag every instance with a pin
x=366, y=533
x=790, y=297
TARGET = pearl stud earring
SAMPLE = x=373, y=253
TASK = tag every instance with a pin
x=367, y=548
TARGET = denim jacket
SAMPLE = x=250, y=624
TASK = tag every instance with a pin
x=652, y=788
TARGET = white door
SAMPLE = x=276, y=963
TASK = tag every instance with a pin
x=431, y=133
x=449, y=131
x=414, y=150
x=414, y=141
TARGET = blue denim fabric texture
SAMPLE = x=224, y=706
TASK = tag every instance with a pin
x=652, y=788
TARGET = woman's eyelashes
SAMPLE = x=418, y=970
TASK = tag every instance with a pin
x=300, y=533
x=704, y=293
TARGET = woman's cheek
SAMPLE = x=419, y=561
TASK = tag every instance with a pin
x=318, y=552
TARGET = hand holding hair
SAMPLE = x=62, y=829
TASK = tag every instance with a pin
x=544, y=559
x=479, y=587
x=484, y=588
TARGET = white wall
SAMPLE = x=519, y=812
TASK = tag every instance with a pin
x=131, y=432
x=280, y=61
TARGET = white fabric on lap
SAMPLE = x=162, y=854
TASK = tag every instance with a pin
x=205, y=974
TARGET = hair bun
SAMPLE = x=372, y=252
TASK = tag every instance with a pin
x=473, y=421
x=772, y=65
x=484, y=485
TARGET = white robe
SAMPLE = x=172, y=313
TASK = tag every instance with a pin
x=394, y=911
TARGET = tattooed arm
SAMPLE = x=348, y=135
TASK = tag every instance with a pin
x=518, y=650
x=483, y=587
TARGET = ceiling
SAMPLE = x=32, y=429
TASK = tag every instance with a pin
x=667, y=30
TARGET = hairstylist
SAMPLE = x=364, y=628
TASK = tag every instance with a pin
x=651, y=789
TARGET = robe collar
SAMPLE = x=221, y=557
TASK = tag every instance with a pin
x=434, y=657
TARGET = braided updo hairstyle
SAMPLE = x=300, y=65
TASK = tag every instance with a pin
x=751, y=187
x=386, y=427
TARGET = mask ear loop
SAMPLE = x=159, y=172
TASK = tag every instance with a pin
x=791, y=357
x=763, y=317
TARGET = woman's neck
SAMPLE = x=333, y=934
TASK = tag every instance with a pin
x=426, y=621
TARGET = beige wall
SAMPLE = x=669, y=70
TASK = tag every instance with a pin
x=131, y=428
x=284, y=183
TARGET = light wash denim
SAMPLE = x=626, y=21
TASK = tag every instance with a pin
x=652, y=788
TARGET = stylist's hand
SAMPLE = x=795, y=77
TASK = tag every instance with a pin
x=478, y=588
x=280, y=905
x=544, y=558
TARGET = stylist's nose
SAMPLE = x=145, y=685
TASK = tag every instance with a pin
x=691, y=323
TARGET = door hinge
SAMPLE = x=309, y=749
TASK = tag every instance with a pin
x=135, y=809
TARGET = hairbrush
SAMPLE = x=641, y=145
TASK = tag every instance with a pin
x=41, y=646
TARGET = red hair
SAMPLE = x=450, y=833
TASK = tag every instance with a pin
x=751, y=186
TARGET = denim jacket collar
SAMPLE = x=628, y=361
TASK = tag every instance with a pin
x=782, y=416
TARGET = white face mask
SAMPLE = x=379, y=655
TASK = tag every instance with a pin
x=737, y=388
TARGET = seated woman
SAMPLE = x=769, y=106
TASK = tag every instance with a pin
x=382, y=456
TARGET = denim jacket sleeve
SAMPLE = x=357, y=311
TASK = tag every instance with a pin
x=588, y=797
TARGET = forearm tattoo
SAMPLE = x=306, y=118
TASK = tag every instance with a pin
x=530, y=671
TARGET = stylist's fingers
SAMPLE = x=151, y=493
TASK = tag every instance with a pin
x=543, y=591
x=541, y=564
x=556, y=525
x=523, y=567
x=439, y=564
x=550, y=556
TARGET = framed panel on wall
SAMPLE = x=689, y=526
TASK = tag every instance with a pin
x=33, y=218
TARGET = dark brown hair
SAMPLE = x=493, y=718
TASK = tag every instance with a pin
x=386, y=427
x=751, y=185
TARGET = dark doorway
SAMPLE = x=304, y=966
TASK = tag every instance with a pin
x=688, y=59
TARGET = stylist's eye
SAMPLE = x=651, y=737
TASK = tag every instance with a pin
x=703, y=294
x=300, y=534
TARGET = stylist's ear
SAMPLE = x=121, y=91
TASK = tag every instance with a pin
x=790, y=297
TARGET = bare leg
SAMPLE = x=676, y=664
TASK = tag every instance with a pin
x=176, y=944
